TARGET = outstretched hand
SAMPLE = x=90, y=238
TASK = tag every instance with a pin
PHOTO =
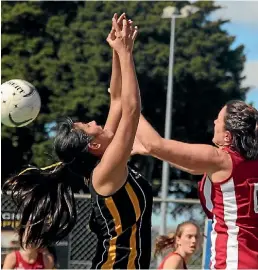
x=122, y=36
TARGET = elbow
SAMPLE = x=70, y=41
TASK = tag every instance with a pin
x=132, y=109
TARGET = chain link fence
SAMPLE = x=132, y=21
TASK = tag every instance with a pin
x=82, y=242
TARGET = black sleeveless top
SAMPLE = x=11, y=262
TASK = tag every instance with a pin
x=122, y=223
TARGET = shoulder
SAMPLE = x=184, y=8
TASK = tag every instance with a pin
x=10, y=261
x=174, y=261
x=106, y=184
x=11, y=256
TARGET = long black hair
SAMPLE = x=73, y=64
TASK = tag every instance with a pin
x=45, y=196
x=241, y=121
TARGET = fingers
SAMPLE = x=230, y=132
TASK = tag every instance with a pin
x=135, y=33
x=116, y=27
x=131, y=28
x=130, y=24
x=125, y=28
x=111, y=35
x=114, y=17
x=120, y=19
x=122, y=29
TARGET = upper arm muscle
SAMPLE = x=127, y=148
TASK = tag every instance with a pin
x=196, y=157
x=114, y=161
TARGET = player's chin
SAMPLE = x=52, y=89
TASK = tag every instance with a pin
x=191, y=250
x=215, y=142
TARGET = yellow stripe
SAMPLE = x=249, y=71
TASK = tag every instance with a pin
x=28, y=169
x=51, y=166
x=137, y=211
x=133, y=252
x=134, y=200
x=118, y=228
x=45, y=168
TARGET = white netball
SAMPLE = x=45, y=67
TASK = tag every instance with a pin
x=20, y=103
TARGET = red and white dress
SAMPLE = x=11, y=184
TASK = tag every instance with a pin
x=233, y=206
x=161, y=266
x=21, y=264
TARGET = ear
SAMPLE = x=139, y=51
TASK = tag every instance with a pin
x=94, y=146
x=227, y=138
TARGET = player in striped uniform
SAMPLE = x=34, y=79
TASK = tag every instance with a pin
x=121, y=198
x=229, y=188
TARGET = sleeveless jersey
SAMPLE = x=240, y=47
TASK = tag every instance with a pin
x=22, y=264
x=168, y=256
x=122, y=223
x=233, y=206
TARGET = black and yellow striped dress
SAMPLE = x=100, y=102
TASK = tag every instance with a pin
x=122, y=223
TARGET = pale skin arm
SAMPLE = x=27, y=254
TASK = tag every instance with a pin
x=48, y=260
x=138, y=148
x=192, y=158
x=115, y=109
x=10, y=261
x=173, y=262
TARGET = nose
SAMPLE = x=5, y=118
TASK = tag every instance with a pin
x=194, y=240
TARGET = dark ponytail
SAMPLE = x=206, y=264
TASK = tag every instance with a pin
x=45, y=197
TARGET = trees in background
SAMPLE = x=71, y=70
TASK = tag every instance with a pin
x=60, y=47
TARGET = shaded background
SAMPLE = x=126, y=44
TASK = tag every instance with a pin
x=60, y=47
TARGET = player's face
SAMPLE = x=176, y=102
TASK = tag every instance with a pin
x=101, y=137
x=220, y=137
x=189, y=240
x=91, y=128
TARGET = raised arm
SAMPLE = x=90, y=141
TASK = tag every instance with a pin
x=115, y=110
x=111, y=171
x=192, y=158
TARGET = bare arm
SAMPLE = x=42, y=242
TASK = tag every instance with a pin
x=173, y=262
x=192, y=158
x=10, y=261
x=110, y=172
x=48, y=260
x=138, y=147
x=115, y=110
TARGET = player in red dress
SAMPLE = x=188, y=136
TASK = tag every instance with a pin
x=29, y=259
x=229, y=189
x=183, y=244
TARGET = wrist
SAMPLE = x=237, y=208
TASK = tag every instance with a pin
x=124, y=54
x=115, y=54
